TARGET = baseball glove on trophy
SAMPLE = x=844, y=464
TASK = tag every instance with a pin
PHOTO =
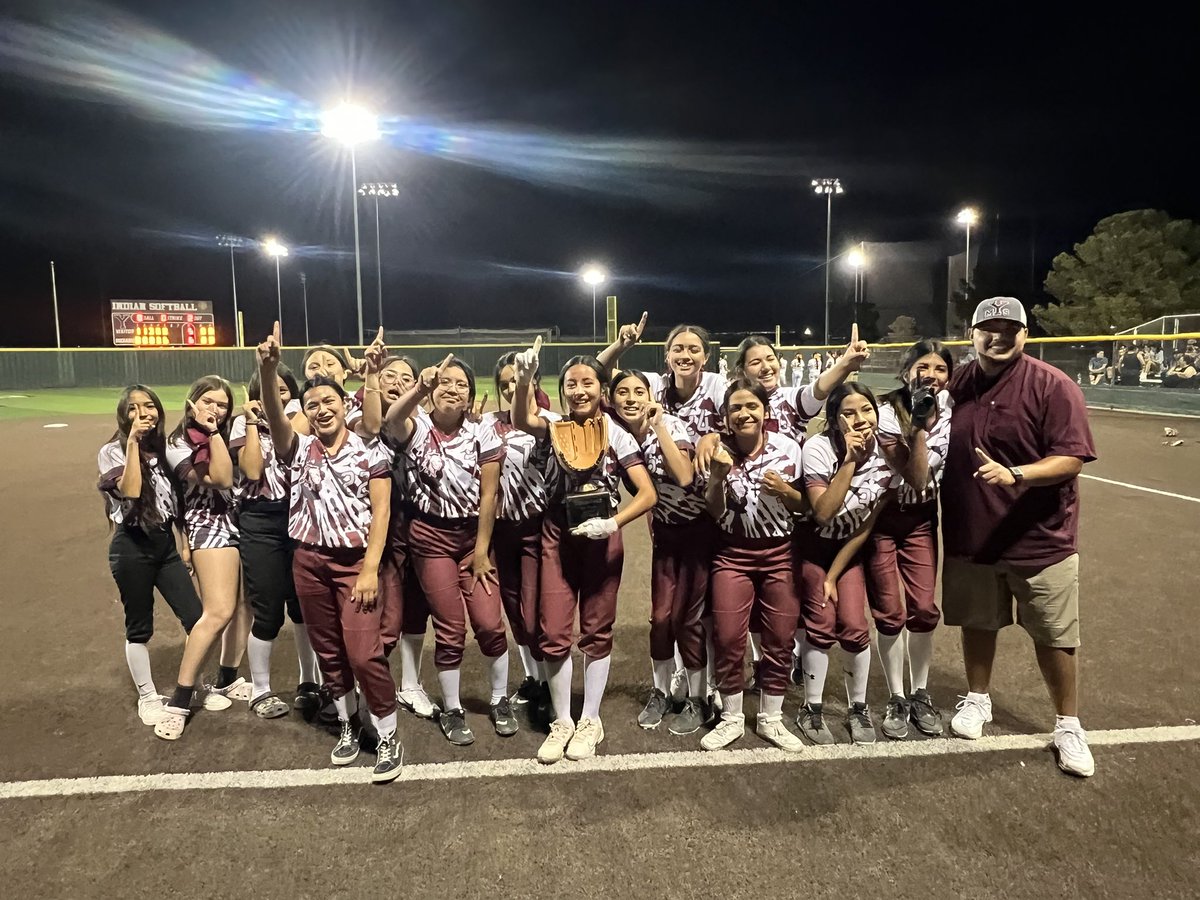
x=579, y=449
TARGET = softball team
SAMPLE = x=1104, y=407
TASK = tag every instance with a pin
x=360, y=516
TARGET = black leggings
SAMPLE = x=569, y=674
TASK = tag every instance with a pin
x=267, y=566
x=141, y=561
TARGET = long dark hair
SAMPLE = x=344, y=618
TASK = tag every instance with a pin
x=592, y=363
x=457, y=363
x=754, y=340
x=199, y=388
x=325, y=348
x=671, y=395
x=506, y=359
x=145, y=511
x=901, y=398
x=755, y=388
x=833, y=405
x=254, y=386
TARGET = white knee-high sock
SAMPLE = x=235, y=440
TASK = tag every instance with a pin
x=891, y=655
x=710, y=670
x=816, y=667
x=137, y=656
x=448, y=680
x=410, y=661
x=731, y=705
x=499, y=670
x=595, y=678
x=663, y=669
x=695, y=678
x=770, y=705
x=856, y=668
x=259, y=652
x=386, y=726
x=346, y=706
x=678, y=659
x=920, y=658
x=527, y=662
x=310, y=669
x=755, y=646
x=560, y=672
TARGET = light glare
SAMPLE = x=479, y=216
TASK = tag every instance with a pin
x=349, y=124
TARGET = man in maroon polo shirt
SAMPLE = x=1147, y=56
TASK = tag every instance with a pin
x=1019, y=436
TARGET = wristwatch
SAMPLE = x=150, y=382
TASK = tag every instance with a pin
x=1017, y=474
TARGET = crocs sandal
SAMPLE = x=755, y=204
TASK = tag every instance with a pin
x=213, y=701
x=268, y=706
x=171, y=727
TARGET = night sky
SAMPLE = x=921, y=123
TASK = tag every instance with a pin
x=672, y=141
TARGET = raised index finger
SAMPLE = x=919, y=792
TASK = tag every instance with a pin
x=277, y=333
x=379, y=337
x=641, y=325
x=854, y=333
x=537, y=345
x=983, y=456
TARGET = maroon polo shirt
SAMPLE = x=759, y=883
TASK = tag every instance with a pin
x=1029, y=411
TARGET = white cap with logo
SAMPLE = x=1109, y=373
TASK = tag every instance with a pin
x=1006, y=308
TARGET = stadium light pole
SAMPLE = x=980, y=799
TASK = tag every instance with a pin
x=375, y=190
x=350, y=126
x=595, y=276
x=272, y=247
x=304, y=291
x=828, y=187
x=856, y=259
x=233, y=242
x=966, y=217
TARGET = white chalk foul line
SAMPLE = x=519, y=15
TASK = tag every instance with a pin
x=1138, y=487
x=631, y=762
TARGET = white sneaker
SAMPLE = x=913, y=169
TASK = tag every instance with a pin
x=679, y=686
x=730, y=727
x=974, y=711
x=588, y=734
x=561, y=732
x=1074, y=755
x=772, y=730
x=417, y=702
x=151, y=710
x=211, y=699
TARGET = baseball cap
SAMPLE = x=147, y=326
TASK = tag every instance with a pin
x=1007, y=308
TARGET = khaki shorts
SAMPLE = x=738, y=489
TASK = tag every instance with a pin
x=1047, y=600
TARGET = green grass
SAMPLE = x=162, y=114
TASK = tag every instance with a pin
x=78, y=401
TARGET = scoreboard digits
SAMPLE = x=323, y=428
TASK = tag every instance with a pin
x=163, y=323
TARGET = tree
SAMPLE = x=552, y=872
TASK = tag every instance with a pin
x=1134, y=267
x=903, y=330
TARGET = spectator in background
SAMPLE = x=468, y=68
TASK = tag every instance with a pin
x=830, y=359
x=1151, y=359
x=723, y=367
x=1129, y=367
x=1097, y=367
x=814, y=368
x=1182, y=373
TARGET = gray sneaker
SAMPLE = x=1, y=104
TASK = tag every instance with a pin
x=924, y=714
x=811, y=723
x=346, y=749
x=688, y=720
x=895, y=718
x=454, y=726
x=503, y=719
x=389, y=758
x=656, y=707
x=858, y=721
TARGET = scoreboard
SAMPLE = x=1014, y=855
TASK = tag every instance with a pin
x=163, y=323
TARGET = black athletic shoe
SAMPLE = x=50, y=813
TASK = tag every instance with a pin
x=924, y=714
x=811, y=722
x=454, y=726
x=688, y=720
x=528, y=692
x=346, y=750
x=308, y=699
x=503, y=719
x=389, y=759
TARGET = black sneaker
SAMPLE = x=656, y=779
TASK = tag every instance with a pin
x=895, y=718
x=327, y=714
x=528, y=692
x=307, y=701
x=389, y=759
x=688, y=720
x=454, y=727
x=924, y=714
x=346, y=750
x=811, y=722
x=859, y=724
x=503, y=719
x=656, y=707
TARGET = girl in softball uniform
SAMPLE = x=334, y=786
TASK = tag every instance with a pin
x=266, y=549
x=517, y=535
x=846, y=477
x=142, y=503
x=682, y=535
x=449, y=537
x=339, y=499
x=752, y=493
x=198, y=454
x=581, y=566
x=903, y=546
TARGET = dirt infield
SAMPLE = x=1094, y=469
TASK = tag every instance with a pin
x=1003, y=823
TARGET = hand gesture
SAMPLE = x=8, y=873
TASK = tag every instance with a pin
x=829, y=593
x=526, y=361
x=774, y=485
x=366, y=588
x=654, y=415
x=139, y=428
x=480, y=405
x=993, y=472
x=857, y=444
x=856, y=353
x=268, y=350
x=632, y=334
x=253, y=411
x=481, y=571
x=431, y=375
x=206, y=420
x=719, y=463
x=705, y=447
x=376, y=352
